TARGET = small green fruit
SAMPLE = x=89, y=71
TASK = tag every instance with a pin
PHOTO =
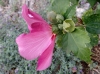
x=51, y=16
x=68, y=25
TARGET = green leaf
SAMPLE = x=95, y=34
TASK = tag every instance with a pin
x=93, y=39
x=70, y=11
x=92, y=23
x=92, y=2
x=87, y=14
x=97, y=11
x=60, y=6
x=74, y=1
x=76, y=42
x=84, y=54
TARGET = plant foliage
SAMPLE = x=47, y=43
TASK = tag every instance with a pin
x=74, y=40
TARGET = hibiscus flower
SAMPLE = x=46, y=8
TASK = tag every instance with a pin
x=39, y=42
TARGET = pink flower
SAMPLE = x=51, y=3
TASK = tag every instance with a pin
x=39, y=42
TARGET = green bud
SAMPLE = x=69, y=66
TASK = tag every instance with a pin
x=60, y=26
x=51, y=16
x=54, y=29
x=59, y=18
x=68, y=25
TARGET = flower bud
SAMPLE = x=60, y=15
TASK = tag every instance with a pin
x=51, y=16
x=59, y=18
x=54, y=29
x=68, y=25
x=60, y=26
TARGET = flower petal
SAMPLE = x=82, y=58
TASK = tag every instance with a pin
x=29, y=15
x=45, y=59
x=32, y=45
x=33, y=18
x=38, y=27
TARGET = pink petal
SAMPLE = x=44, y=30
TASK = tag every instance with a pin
x=32, y=45
x=45, y=59
x=33, y=18
x=40, y=26
x=27, y=11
